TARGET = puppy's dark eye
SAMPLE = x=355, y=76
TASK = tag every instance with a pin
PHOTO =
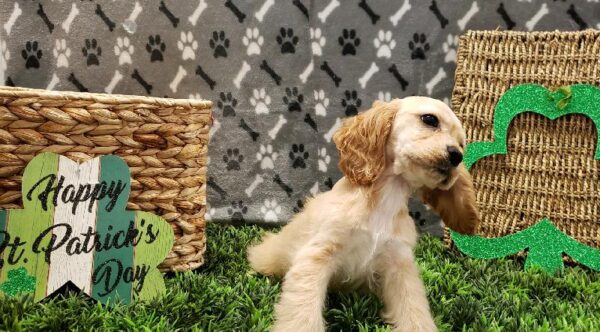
x=430, y=120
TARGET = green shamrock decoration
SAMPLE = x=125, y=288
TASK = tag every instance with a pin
x=75, y=228
x=545, y=243
x=18, y=282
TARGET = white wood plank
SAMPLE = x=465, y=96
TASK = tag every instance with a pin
x=78, y=267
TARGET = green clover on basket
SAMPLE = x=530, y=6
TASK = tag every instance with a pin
x=544, y=242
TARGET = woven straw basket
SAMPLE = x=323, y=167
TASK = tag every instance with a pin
x=164, y=142
x=549, y=170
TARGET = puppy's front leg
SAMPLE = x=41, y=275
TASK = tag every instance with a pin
x=305, y=287
x=401, y=289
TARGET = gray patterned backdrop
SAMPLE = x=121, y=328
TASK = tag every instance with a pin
x=282, y=74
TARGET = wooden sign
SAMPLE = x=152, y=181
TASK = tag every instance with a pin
x=75, y=227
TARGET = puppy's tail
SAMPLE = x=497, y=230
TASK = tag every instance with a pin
x=270, y=257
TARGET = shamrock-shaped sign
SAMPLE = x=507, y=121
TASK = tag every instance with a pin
x=75, y=228
x=544, y=242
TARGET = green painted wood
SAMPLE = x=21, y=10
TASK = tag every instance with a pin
x=113, y=287
x=29, y=223
x=3, y=219
x=155, y=244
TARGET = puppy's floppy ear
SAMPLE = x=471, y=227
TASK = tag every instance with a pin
x=361, y=142
x=457, y=205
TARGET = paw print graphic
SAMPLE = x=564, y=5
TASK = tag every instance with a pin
x=449, y=47
x=32, y=55
x=253, y=41
x=299, y=206
x=91, y=51
x=227, y=104
x=266, y=156
x=298, y=156
x=293, y=99
x=4, y=55
x=123, y=50
x=270, y=210
x=419, y=220
x=232, y=159
x=349, y=42
x=62, y=53
x=156, y=48
x=384, y=44
x=219, y=43
x=351, y=102
x=324, y=160
x=210, y=214
x=287, y=40
x=321, y=102
x=260, y=100
x=187, y=45
x=195, y=96
x=384, y=96
x=418, y=46
x=237, y=212
x=317, y=41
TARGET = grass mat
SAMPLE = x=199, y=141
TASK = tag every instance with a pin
x=223, y=295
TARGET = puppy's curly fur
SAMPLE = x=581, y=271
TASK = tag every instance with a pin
x=359, y=234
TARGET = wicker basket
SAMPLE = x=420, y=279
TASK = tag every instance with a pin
x=550, y=170
x=164, y=142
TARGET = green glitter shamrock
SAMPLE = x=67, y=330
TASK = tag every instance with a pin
x=544, y=242
x=18, y=282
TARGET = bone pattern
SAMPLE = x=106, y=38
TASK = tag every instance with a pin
x=283, y=93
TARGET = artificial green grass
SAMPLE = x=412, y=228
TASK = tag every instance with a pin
x=223, y=295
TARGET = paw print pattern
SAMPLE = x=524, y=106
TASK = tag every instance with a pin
x=210, y=214
x=187, y=45
x=418, y=46
x=270, y=210
x=195, y=96
x=384, y=44
x=384, y=96
x=253, y=41
x=123, y=50
x=349, y=42
x=62, y=53
x=317, y=41
x=287, y=40
x=219, y=43
x=321, y=102
x=298, y=156
x=32, y=55
x=266, y=156
x=91, y=51
x=416, y=215
x=293, y=99
x=237, y=212
x=227, y=104
x=260, y=101
x=351, y=102
x=232, y=159
x=324, y=160
x=449, y=47
x=156, y=48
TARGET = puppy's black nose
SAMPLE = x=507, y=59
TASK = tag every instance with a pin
x=454, y=155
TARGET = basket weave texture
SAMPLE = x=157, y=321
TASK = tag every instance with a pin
x=549, y=170
x=164, y=142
